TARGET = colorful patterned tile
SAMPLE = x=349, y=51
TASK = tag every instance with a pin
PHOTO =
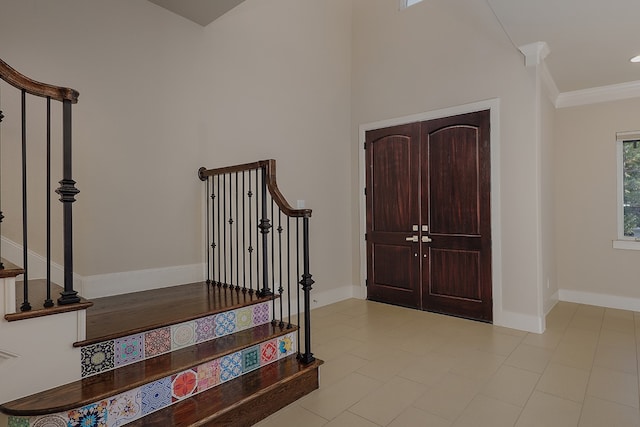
x=97, y=358
x=225, y=323
x=18, y=422
x=128, y=349
x=205, y=329
x=55, y=420
x=268, y=352
x=250, y=359
x=231, y=366
x=124, y=408
x=244, y=318
x=157, y=342
x=261, y=314
x=156, y=395
x=184, y=384
x=286, y=345
x=208, y=375
x=94, y=415
x=183, y=335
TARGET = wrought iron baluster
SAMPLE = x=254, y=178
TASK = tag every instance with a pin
x=208, y=242
x=218, y=224
x=48, y=302
x=26, y=306
x=1, y=215
x=280, y=288
x=237, y=238
x=250, y=195
x=265, y=227
x=289, y=271
x=257, y=246
x=298, y=275
x=224, y=227
x=213, y=232
x=244, y=237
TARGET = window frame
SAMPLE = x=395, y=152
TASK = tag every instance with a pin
x=623, y=242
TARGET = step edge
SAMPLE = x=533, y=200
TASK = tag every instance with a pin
x=95, y=378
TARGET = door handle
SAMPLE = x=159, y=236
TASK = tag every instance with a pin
x=426, y=239
x=412, y=239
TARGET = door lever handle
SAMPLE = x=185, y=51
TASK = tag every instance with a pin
x=426, y=239
x=412, y=239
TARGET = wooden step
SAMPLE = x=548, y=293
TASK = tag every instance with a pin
x=122, y=315
x=242, y=401
x=37, y=296
x=107, y=384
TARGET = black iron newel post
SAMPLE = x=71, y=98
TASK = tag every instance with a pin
x=67, y=192
x=306, y=282
x=264, y=227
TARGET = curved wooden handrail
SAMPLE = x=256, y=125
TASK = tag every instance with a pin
x=33, y=87
x=272, y=185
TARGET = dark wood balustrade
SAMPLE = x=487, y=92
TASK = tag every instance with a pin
x=66, y=190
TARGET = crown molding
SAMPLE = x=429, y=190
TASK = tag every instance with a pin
x=599, y=94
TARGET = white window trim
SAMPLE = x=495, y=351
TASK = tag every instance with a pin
x=623, y=242
x=407, y=3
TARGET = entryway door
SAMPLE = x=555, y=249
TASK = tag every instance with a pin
x=428, y=215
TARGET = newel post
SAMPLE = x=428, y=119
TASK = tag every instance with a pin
x=306, y=282
x=67, y=192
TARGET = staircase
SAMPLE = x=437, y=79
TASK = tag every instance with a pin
x=228, y=350
x=182, y=356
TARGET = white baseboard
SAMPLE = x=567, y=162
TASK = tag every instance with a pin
x=104, y=285
x=600, y=300
x=523, y=322
x=551, y=302
x=320, y=298
x=12, y=252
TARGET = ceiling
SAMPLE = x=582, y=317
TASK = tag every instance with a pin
x=201, y=12
x=591, y=41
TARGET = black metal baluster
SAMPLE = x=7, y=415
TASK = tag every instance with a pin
x=288, y=272
x=224, y=226
x=273, y=270
x=218, y=223
x=306, y=283
x=237, y=238
x=48, y=302
x=213, y=232
x=298, y=275
x=250, y=195
x=265, y=227
x=280, y=288
x=230, y=235
x=26, y=306
x=257, y=245
x=67, y=192
x=244, y=236
x=208, y=242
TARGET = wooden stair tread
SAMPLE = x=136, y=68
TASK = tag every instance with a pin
x=10, y=269
x=37, y=296
x=243, y=400
x=95, y=388
x=121, y=315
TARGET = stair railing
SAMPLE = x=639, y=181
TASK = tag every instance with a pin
x=67, y=189
x=257, y=244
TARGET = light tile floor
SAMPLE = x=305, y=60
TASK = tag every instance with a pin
x=390, y=366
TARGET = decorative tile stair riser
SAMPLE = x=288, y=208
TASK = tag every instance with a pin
x=111, y=354
x=138, y=402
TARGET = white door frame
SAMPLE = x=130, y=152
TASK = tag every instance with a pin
x=496, y=232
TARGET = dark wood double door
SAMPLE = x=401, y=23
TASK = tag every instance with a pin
x=428, y=215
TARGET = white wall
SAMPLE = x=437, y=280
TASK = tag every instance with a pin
x=440, y=54
x=135, y=128
x=277, y=85
x=589, y=269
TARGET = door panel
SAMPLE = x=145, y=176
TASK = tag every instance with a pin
x=392, y=209
x=455, y=160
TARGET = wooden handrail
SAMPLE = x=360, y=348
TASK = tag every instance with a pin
x=272, y=185
x=33, y=87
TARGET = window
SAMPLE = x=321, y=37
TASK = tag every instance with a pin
x=628, y=150
x=406, y=3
